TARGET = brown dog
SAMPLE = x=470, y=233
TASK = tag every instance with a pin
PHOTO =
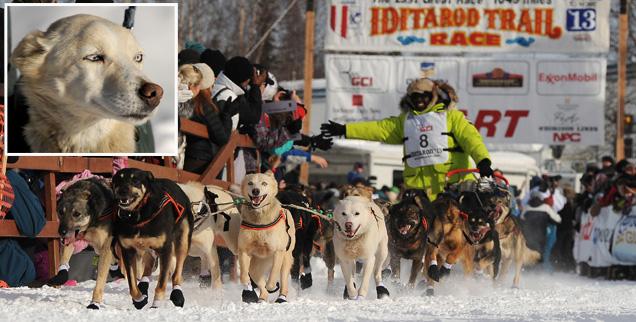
x=446, y=241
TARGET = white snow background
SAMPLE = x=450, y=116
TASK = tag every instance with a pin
x=542, y=297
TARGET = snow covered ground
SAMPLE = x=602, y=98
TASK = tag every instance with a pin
x=557, y=297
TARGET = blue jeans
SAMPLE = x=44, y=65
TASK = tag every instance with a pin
x=550, y=240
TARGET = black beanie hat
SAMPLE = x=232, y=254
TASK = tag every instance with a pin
x=238, y=69
x=188, y=56
x=215, y=59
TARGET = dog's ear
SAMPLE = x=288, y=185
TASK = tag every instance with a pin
x=419, y=202
x=149, y=176
x=29, y=55
x=269, y=173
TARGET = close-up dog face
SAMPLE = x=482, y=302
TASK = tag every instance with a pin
x=91, y=63
x=352, y=215
x=130, y=187
x=405, y=218
x=478, y=222
x=259, y=189
x=75, y=208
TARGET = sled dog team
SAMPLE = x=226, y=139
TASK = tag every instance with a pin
x=137, y=219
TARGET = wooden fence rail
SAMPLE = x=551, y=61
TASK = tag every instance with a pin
x=53, y=165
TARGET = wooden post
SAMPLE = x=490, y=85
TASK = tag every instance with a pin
x=309, y=75
x=622, y=69
x=50, y=206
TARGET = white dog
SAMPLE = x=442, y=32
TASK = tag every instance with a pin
x=205, y=201
x=360, y=234
x=83, y=84
x=266, y=239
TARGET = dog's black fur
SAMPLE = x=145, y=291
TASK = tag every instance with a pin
x=166, y=223
x=487, y=247
x=414, y=211
x=307, y=227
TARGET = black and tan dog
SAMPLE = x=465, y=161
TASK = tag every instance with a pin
x=496, y=200
x=154, y=214
x=479, y=231
x=307, y=225
x=407, y=225
x=86, y=210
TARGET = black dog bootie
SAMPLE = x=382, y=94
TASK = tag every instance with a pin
x=141, y=303
x=59, y=279
x=249, y=296
x=306, y=281
x=143, y=288
x=433, y=273
x=382, y=291
x=176, y=296
x=205, y=281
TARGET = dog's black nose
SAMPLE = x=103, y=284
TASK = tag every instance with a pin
x=256, y=192
x=62, y=231
x=151, y=94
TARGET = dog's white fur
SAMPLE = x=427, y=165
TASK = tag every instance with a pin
x=367, y=240
x=260, y=251
x=76, y=104
x=203, y=237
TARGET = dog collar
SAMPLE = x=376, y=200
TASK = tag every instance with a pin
x=108, y=214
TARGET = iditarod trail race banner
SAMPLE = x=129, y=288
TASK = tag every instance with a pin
x=453, y=26
x=535, y=99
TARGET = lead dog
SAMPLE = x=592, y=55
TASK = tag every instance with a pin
x=84, y=87
x=266, y=239
x=153, y=214
x=360, y=235
x=86, y=209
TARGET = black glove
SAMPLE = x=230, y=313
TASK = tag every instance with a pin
x=484, y=168
x=332, y=129
x=304, y=141
x=320, y=142
x=229, y=107
x=295, y=126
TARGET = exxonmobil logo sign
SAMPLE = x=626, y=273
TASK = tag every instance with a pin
x=554, y=78
x=566, y=137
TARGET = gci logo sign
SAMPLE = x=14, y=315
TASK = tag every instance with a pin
x=361, y=81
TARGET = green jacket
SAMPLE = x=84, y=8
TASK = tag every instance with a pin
x=432, y=177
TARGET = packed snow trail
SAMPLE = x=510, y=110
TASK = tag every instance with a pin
x=556, y=297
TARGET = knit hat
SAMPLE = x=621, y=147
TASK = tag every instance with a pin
x=208, y=75
x=215, y=59
x=188, y=56
x=238, y=69
x=194, y=45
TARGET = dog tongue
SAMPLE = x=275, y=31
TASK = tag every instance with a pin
x=405, y=229
x=69, y=239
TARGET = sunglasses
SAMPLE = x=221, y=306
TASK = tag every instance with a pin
x=426, y=96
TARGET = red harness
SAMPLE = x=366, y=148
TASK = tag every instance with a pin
x=167, y=199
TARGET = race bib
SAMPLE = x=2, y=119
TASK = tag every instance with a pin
x=425, y=144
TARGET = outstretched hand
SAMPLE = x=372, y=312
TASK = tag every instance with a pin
x=321, y=142
x=332, y=129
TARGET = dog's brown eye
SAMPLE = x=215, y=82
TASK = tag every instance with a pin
x=94, y=58
x=264, y=184
x=139, y=58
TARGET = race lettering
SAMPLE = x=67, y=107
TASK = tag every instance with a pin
x=566, y=137
x=490, y=119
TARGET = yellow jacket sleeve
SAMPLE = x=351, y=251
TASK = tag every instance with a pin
x=389, y=130
x=467, y=136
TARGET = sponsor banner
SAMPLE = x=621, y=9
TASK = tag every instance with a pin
x=456, y=26
x=513, y=100
x=624, y=241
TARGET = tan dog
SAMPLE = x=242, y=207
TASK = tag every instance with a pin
x=266, y=239
x=207, y=200
x=360, y=234
x=83, y=83
x=446, y=242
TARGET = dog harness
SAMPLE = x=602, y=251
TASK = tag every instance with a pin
x=108, y=214
x=165, y=201
x=282, y=216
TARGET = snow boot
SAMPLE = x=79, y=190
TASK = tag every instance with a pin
x=306, y=281
x=382, y=292
x=443, y=271
x=249, y=296
x=59, y=279
x=143, y=288
x=139, y=304
x=177, y=298
x=433, y=273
